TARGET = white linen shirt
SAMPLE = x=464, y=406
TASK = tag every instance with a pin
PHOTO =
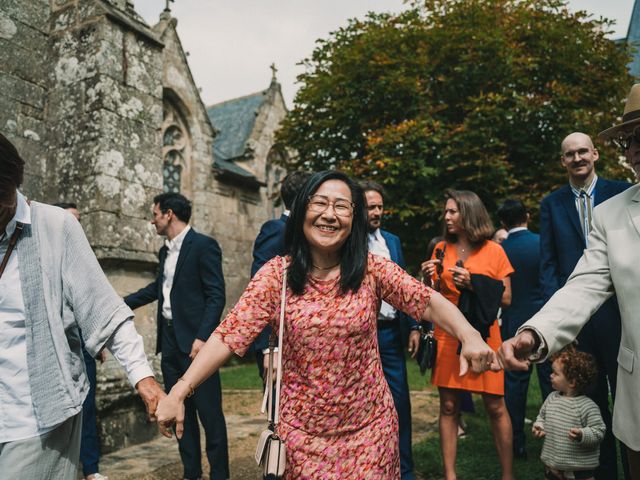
x=378, y=246
x=17, y=415
x=170, y=262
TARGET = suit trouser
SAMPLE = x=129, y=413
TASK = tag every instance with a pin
x=395, y=372
x=601, y=338
x=206, y=403
x=53, y=455
x=89, y=446
x=516, y=387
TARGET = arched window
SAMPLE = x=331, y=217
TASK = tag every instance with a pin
x=176, y=149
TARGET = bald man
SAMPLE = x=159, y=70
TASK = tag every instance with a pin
x=565, y=223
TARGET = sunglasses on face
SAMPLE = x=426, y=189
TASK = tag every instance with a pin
x=625, y=139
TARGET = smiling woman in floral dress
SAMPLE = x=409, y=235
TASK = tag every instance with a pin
x=337, y=415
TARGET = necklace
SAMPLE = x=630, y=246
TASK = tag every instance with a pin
x=326, y=268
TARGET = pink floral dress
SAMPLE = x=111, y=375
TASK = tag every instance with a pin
x=337, y=414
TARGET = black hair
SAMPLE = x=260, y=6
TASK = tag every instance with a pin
x=66, y=205
x=291, y=184
x=512, y=213
x=11, y=168
x=354, y=252
x=370, y=185
x=177, y=203
x=431, y=246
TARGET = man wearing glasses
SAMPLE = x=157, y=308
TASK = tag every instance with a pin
x=609, y=266
x=565, y=224
x=390, y=326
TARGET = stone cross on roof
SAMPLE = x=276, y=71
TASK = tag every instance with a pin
x=167, y=9
x=274, y=70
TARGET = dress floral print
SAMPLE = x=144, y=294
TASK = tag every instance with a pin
x=337, y=414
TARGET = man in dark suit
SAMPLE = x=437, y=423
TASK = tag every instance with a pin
x=523, y=250
x=390, y=327
x=565, y=223
x=270, y=243
x=191, y=297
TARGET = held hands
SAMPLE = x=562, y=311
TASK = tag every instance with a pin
x=537, y=431
x=195, y=348
x=414, y=343
x=171, y=410
x=477, y=353
x=151, y=393
x=514, y=353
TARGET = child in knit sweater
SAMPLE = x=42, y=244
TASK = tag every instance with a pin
x=569, y=421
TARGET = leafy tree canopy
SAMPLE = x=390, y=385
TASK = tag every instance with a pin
x=465, y=94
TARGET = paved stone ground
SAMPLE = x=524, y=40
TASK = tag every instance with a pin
x=159, y=458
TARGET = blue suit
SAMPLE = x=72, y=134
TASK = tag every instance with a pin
x=197, y=302
x=562, y=243
x=391, y=344
x=269, y=243
x=523, y=250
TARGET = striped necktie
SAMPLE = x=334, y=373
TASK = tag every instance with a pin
x=585, y=214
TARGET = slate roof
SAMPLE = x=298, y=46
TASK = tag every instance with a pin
x=234, y=120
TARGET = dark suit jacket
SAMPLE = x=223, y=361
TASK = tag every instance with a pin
x=523, y=250
x=561, y=239
x=269, y=243
x=405, y=322
x=197, y=294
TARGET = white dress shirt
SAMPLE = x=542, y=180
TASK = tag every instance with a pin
x=378, y=246
x=170, y=262
x=17, y=415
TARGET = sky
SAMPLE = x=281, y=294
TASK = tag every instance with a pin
x=232, y=43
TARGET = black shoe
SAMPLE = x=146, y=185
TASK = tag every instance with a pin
x=520, y=453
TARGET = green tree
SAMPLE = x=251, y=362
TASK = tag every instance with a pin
x=468, y=94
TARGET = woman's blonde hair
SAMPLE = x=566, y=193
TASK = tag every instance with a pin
x=474, y=218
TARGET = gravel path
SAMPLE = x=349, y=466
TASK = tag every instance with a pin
x=159, y=458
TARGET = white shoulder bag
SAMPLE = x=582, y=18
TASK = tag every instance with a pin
x=271, y=452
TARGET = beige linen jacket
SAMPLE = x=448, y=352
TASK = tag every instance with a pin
x=610, y=264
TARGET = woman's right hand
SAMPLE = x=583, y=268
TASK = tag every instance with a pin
x=170, y=411
x=428, y=268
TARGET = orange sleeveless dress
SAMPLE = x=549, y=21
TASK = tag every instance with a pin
x=490, y=260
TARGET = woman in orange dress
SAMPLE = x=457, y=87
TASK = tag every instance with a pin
x=467, y=238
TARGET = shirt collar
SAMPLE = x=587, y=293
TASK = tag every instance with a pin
x=176, y=243
x=588, y=189
x=516, y=229
x=377, y=235
x=287, y=213
x=22, y=215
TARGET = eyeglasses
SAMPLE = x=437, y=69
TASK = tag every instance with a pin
x=624, y=140
x=572, y=153
x=320, y=203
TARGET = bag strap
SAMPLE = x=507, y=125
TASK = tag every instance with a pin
x=273, y=407
x=12, y=243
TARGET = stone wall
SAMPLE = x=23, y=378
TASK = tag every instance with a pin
x=87, y=93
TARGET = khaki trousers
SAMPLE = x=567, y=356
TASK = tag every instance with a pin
x=52, y=456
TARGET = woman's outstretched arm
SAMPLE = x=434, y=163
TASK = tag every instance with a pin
x=474, y=350
x=209, y=359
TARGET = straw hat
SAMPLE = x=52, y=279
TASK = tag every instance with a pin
x=631, y=115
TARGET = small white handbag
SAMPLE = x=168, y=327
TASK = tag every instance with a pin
x=271, y=452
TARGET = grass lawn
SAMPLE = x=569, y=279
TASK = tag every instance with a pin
x=477, y=458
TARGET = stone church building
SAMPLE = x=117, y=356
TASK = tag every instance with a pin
x=106, y=113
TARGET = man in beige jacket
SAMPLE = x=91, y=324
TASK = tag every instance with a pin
x=609, y=265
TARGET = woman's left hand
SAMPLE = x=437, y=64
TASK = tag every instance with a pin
x=477, y=353
x=461, y=277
